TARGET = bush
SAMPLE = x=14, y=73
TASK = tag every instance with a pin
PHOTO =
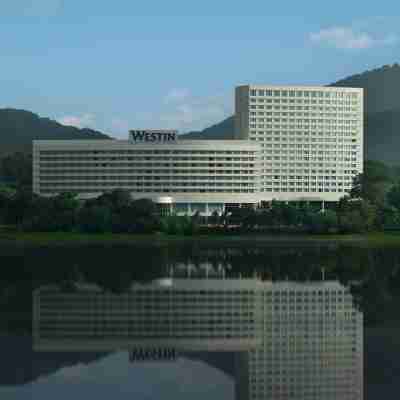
x=322, y=222
x=191, y=227
x=391, y=217
x=393, y=196
x=172, y=225
x=352, y=222
x=95, y=219
x=46, y=223
x=145, y=225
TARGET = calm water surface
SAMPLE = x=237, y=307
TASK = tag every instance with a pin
x=25, y=374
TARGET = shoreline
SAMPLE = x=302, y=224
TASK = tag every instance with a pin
x=55, y=239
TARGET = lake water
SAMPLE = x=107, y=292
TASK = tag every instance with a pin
x=27, y=374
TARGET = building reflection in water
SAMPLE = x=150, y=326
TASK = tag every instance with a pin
x=281, y=340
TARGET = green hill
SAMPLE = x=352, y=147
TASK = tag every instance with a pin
x=382, y=114
x=383, y=136
x=381, y=88
x=19, y=127
x=221, y=130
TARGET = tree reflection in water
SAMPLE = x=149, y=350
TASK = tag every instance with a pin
x=375, y=270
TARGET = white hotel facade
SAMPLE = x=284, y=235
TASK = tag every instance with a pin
x=300, y=341
x=311, y=138
x=194, y=175
x=290, y=144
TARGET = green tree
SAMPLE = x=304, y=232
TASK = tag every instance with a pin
x=249, y=218
x=367, y=189
x=357, y=215
x=42, y=217
x=391, y=216
x=368, y=212
x=7, y=192
x=322, y=222
x=305, y=213
x=393, y=196
x=52, y=214
x=65, y=209
x=344, y=204
x=291, y=215
x=371, y=184
x=264, y=217
x=20, y=207
x=276, y=213
x=137, y=216
x=352, y=222
x=4, y=200
x=246, y=217
x=214, y=219
x=113, y=200
x=66, y=201
x=95, y=219
x=191, y=225
x=144, y=207
x=173, y=225
x=396, y=173
x=16, y=169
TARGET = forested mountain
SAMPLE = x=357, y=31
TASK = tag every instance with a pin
x=382, y=114
x=381, y=88
x=19, y=127
x=383, y=136
x=222, y=130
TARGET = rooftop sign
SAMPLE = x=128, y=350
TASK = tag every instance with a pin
x=153, y=135
x=153, y=354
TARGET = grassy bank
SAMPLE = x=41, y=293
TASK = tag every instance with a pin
x=80, y=239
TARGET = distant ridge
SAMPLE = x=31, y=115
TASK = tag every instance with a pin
x=221, y=130
x=383, y=136
x=19, y=127
x=381, y=87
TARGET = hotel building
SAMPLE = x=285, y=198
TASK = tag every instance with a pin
x=311, y=138
x=291, y=340
x=291, y=143
x=193, y=175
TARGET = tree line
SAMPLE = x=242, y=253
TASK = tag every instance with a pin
x=373, y=204
x=112, y=212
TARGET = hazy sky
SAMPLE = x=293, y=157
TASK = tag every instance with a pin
x=115, y=65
